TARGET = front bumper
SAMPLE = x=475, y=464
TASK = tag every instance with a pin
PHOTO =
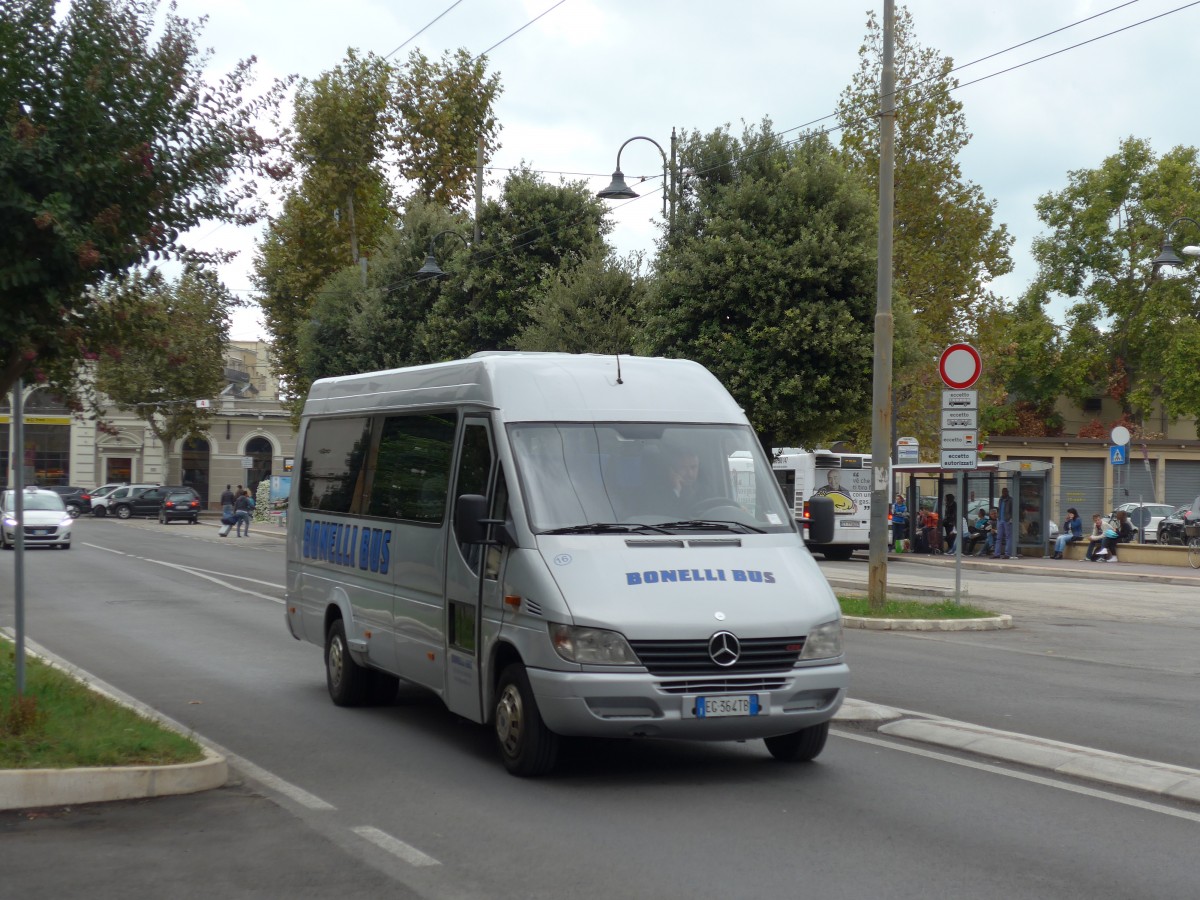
x=39, y=535
x=639, y=704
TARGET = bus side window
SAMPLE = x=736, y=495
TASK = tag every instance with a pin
x=412, y=467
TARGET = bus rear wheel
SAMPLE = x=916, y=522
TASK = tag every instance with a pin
x=348, y=682
x=527, y=747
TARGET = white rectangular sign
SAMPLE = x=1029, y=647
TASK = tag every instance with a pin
x=960, y=439
x=960, y=459
x=960, y=418
x=960, y=399
x=247, y=462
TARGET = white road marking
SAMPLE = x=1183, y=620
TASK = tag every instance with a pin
x=206, y=574
x=396, y=847
x=274, y=782
x=225, y=584
x=1022, y=776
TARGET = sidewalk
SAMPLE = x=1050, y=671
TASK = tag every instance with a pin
x=1063, y=568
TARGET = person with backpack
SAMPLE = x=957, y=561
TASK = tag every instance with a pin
x=242, y=508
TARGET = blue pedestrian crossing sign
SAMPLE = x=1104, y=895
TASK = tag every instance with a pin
x=1118, y=454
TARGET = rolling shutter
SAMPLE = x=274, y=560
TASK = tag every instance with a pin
x=1081, y=485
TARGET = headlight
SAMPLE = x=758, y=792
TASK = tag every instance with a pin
x=594, y=646
x=10, y=522
x=824, y=641
x=66, y=520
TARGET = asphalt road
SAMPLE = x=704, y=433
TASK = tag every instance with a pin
x=407, y=800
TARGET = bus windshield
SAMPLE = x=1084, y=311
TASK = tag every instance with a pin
x=576, y=474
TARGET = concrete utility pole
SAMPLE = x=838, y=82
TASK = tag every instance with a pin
x=881, y=395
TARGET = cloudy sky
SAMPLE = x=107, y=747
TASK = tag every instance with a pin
x=588, y=74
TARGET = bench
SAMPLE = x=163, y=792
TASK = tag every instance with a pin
x=1151, y=554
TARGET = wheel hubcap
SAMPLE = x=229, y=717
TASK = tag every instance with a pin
x=335, y=662
x=509, y=719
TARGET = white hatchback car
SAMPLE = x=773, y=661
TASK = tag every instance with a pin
x=46, y=520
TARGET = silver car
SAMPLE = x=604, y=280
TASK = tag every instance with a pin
x=46, y=520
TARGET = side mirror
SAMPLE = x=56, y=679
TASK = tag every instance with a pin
x=471, y=522
x=470, y=511
x=820, y=520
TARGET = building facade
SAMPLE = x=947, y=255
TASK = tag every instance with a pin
x=249, y=438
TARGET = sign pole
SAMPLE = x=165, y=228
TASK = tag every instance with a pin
x=962, y=499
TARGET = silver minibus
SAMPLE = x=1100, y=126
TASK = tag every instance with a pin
x=560, y=545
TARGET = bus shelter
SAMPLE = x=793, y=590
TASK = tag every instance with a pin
x=928, y=486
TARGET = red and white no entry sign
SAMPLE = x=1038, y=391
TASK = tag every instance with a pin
x=960, y=366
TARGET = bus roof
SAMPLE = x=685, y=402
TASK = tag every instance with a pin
x=533, y=387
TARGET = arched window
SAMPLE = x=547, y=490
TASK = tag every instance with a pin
x=195, y=465
x=259, y=449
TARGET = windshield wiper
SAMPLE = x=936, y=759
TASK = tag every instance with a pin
x=712, y=525
x=607, y=528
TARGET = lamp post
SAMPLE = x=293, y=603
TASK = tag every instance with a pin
x=1167, y=255
x=431, y=267
x=618, y=189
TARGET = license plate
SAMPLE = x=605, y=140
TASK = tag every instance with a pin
x=730, y=705
x=40, y=531
x=847, y=524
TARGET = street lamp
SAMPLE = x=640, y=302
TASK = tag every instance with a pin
x=1167, y=255
x=431, y=267
x=619, y=190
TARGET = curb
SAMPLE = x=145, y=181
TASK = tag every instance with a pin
x=991, y=623
x=1064, y=759
x=31, y=788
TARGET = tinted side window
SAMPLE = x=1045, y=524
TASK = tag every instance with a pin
x=331, y=463
x=412, y=467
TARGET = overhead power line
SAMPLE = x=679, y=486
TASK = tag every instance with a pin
x=422, y=31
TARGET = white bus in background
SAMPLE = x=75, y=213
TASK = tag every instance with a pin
x=843, y=477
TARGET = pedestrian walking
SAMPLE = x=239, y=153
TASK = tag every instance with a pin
x=1004, y=548
x=241, y=510
x=228, y=498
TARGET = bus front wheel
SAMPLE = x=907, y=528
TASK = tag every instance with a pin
x=527, y=746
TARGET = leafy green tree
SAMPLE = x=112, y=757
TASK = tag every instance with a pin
x=532, y=233
x=112, y=146
x=446, y=108
x=338, y=207
x=1132, y=334
x=947, y=248
x=535, y=235
x=357, y=132
x=171, y=351
x=593, y=308
x=768, y=281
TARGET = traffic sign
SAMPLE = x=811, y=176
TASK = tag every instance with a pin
x=960, y=459
x=908, y=450
x=1117, y=455
x=960, y=439
x=960, y=399
x=960, y=418
x=960, y=366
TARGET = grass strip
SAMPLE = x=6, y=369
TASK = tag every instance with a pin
x=61, y=723
x=911, y=609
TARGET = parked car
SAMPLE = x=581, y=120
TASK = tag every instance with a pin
x=181, y=504
x=45, y=520
x=1147, y=516
x=1171, y=528
x=78, y=500
x=102, y=497
x=144, y=501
